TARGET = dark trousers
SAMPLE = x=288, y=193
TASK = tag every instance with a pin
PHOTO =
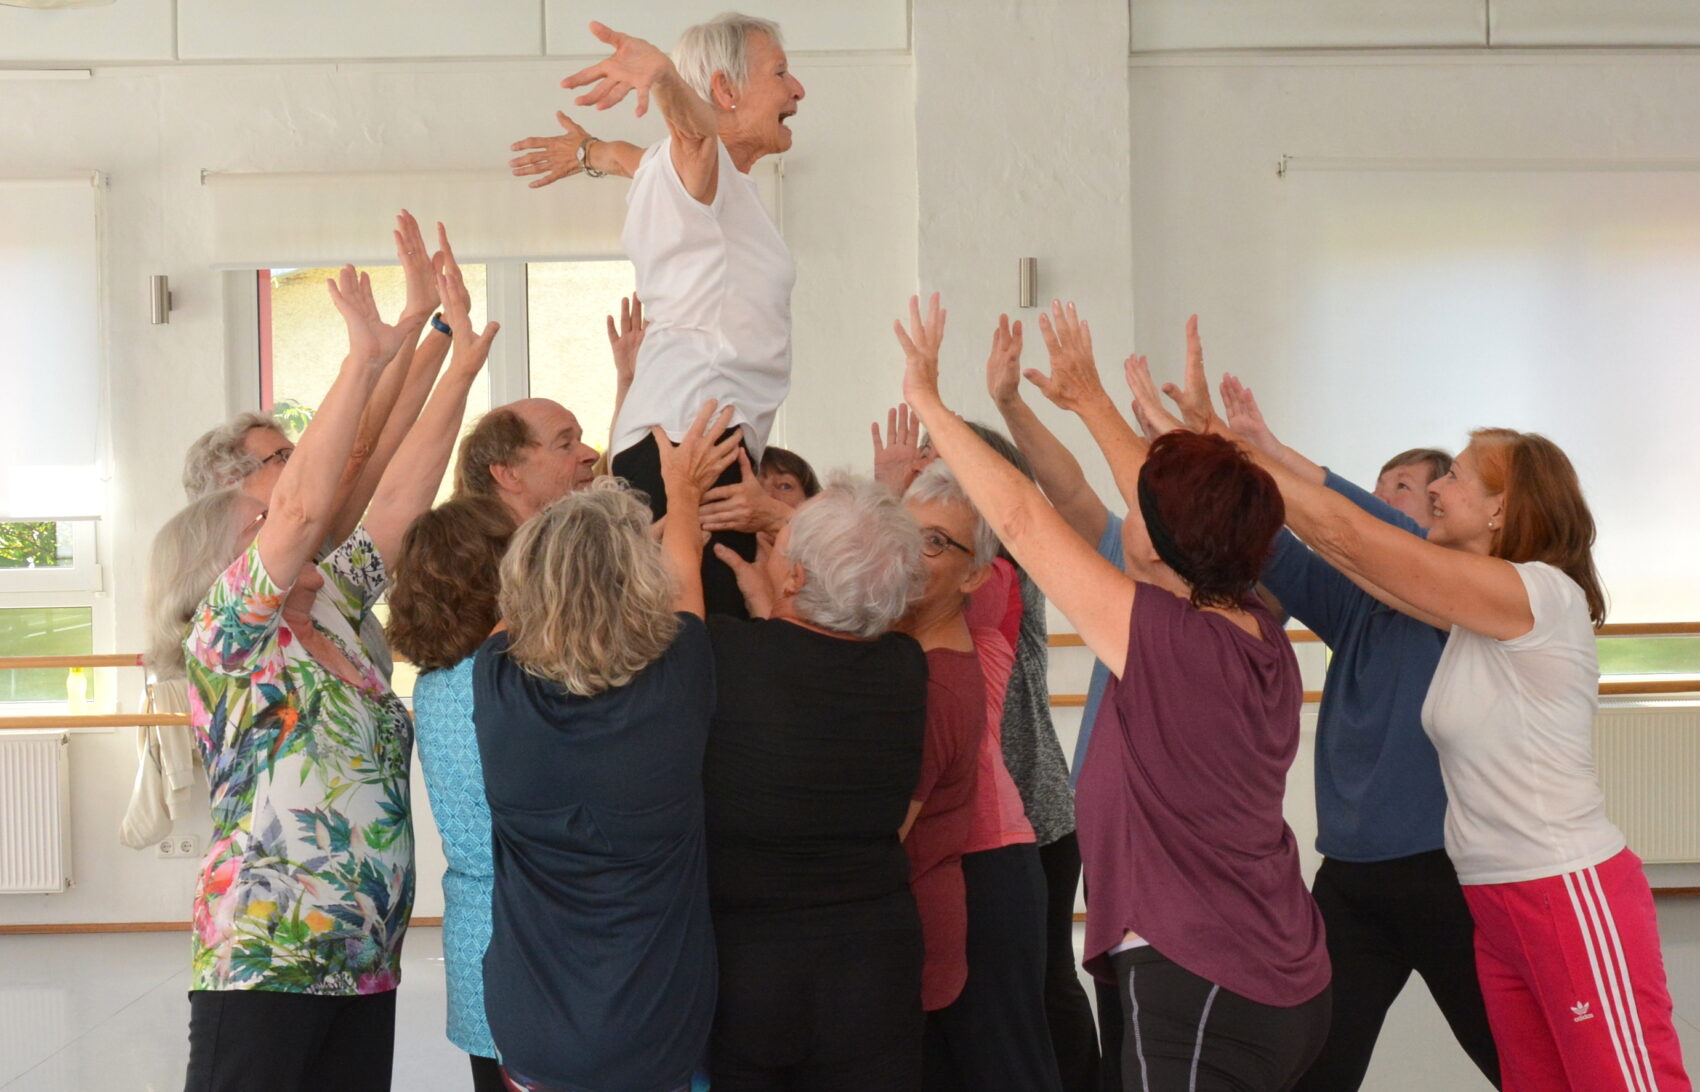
x=993, y=1037
x=1073, y=1037
x=487, y=1074
x=1184, y=1033
x=828, y=1014
x=640, y=465
x=266, y=1041
x=1386, y=919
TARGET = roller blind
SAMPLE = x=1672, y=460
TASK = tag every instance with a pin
x=265, y=221
x=51, y=434
x=1420, y=303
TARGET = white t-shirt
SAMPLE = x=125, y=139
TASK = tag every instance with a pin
x=1514, y=724
x=715, y=281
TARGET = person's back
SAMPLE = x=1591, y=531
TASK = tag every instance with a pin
x=815, y=748
x=600, y=971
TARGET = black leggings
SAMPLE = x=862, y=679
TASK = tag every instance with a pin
x=993, y=1037
x=640, y=465
x=1184, y=1033
x=1384, y=920
x=266, y=1041
x=487, y=1074
x=827, y=1014
x=1073, y=1036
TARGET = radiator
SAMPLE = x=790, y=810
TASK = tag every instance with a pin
x=1649, y=756
x=35, y=812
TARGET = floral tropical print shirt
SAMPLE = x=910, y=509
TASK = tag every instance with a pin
x=308, y=884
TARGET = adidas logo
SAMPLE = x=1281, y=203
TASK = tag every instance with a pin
x=1580, y=1010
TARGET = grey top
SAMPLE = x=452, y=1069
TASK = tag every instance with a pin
x=1030, y=748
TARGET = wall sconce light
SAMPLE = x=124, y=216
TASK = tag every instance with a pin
x=1027, y=294
x=159, y=298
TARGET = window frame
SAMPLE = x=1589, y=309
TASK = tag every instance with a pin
x=103, y=695
x=84, y=574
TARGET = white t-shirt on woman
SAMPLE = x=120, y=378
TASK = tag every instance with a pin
x=715, y=281
x=1514, y=724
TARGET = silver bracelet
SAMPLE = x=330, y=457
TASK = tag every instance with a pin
x=584, y=158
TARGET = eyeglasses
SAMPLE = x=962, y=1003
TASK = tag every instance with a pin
x=282, y=455
x=935, y=542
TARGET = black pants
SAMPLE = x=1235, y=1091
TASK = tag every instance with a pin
x=640, y=465
x=1184, y=1033
x=487, y=1074
x=993, y=1037
x=265, y=1041
x=832, y=1014
x=1386, y=919
x=1069, y=1014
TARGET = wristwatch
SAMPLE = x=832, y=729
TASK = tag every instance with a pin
x=584, y=158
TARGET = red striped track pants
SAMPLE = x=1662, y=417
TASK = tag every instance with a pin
x=1575, y=983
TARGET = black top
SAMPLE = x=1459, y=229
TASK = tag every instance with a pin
x=814, y=754
x=600, y=972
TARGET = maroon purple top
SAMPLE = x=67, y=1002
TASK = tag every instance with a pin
x=1181, y=832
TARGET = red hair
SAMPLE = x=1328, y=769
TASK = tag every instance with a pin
x=1221, y=510
x=1546, y=517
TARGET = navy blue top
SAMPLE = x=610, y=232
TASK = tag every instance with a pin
x=1110, y=549
x=600, y=975
x=1378, y=790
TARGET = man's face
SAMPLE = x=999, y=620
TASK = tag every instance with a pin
x=273, y=450
x=557, y=461
x=1406, y=488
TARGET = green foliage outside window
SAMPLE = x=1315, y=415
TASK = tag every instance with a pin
x=29, y=545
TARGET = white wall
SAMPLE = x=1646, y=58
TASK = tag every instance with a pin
x=849, y=217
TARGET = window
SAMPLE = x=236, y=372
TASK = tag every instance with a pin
x=1649, y=657
x=48, y=556
x=566, y=308
x=43, y=631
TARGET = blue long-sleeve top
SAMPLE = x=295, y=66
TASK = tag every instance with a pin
x=454, y=780
x=1379, y=795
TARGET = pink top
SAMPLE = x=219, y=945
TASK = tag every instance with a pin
x=1000, y=819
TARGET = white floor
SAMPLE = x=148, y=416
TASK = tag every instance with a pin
x=108, y=1013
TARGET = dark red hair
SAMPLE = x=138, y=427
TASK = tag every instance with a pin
x=1221, y=512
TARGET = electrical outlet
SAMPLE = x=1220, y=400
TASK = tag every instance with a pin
x=167, y=847
x=188, y=845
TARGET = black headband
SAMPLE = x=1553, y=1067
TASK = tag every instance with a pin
x=1162, y=539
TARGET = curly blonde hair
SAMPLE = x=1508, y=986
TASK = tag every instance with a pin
x=585, y=591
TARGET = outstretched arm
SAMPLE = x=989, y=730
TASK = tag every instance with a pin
x=1073, y=385
x=305, y=498
x=1091, y=592
x=1246, y=420
x=400, y=394
x=557, y=157
x=624, y=342
x=636, y=65
x=1060, y=477
x=411, y=482
x=896, y=456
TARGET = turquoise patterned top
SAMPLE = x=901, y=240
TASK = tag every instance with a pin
x=454, y=778
x=308, y=884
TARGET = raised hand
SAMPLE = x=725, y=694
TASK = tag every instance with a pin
x=635, y=65
x=1148, y=409
x=921, y=343
x=553, y=157
x=895, y=459
x=417, y=264
x=1194, y=398
x=759, y=593
x=1243, y=416
x=1073, y=382
x=470, y=351
x=1003, y=366
x=697, y=460
x=742, y=506
x=627, y=338
x=370, y=338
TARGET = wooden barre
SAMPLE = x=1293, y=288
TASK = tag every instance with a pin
x=25, y=663
x=1617, y=629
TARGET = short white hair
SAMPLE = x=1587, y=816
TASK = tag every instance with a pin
x=720, y=45
x=219, y=459
x=861, y=558
x=937, y=485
